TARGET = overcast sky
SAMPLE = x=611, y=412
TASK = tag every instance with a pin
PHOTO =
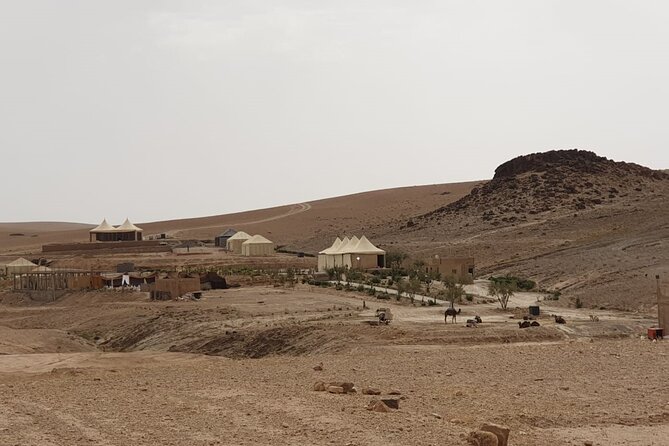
x=171, y=109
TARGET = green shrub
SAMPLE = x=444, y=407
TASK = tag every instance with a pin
x=521, y=284
x=469, y=297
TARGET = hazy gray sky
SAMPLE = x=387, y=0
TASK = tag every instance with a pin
x=170, y=109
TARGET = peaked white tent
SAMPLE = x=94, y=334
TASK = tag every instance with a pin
x=326, y=256
x=234, y=243
x=257, y=246
x=103, y=227
x=19, y=266
x=104, y=232
x=352, y=253
x=128, y=227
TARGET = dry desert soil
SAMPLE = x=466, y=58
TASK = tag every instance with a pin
x=237, y=368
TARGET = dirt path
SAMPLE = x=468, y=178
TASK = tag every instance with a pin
x=294, y=210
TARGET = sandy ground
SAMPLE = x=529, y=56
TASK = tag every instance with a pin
x=236, y=368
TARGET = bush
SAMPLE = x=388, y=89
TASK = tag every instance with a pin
x=432, y=302
x=521, y=284
x=361, y=288
x=375, y=280
x=469, y=297
x=371, y=291
x=339, y=287
x=383, y=296
x=578, y=303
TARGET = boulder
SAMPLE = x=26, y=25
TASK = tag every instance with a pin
x=320, y=386
x=378, y=406
x=371, y=391
x=336, y=389
x=501, y=432
x=319, y=367
x=482, y=438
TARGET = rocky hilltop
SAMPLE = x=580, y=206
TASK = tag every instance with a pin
x=553, y=182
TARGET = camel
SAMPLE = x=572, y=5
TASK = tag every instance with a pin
x=524, y=324
x=452, y=313
x=535, y=324
x=559, y=320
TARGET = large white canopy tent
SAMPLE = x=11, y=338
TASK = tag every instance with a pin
x=104, y=232
x=352, y=253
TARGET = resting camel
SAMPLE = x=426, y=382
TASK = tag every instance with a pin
x=524, y=324
x=452, y=313
x=560, y=320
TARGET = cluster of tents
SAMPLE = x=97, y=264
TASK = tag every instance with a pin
x=251, y=246
x=353, y=253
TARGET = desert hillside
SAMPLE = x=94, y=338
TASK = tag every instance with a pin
x=592, y=228
x=589, y=227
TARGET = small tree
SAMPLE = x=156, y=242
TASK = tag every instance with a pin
x=453, y=292
x=401, y=288
x=413, y=287
x=395, y=259
x=429, y=278
x=502, y=291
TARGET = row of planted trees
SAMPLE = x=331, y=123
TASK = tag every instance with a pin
x=417, y=279
x=409, y=282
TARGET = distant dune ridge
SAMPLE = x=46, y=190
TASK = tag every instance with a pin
x=593, y=228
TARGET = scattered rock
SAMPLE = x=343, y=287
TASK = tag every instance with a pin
x=371, y=391
x=392, y=403
x=394, y=392
x=320, y=387
x=348, y=387
x=588, y=443
x=436, y=415
x=285, y=425
x=378, y=406
x=319, y=367
x=482, y=438
x=564, y=388
x=336, y=389
x=501, y=432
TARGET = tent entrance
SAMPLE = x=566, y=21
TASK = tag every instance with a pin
x=381, y=261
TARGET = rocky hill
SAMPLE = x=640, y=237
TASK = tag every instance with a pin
x=556, y=181
x=593, y=229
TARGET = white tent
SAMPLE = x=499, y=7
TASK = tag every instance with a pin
x=326, y=257
x=104, y=232
x=257, y=246
x=128, y=227
x=103, y=227
x=19, y=266
x=352, y=253
x=364, y=246
x=234, y=243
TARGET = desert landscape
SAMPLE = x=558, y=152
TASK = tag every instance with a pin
x=284, y=354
